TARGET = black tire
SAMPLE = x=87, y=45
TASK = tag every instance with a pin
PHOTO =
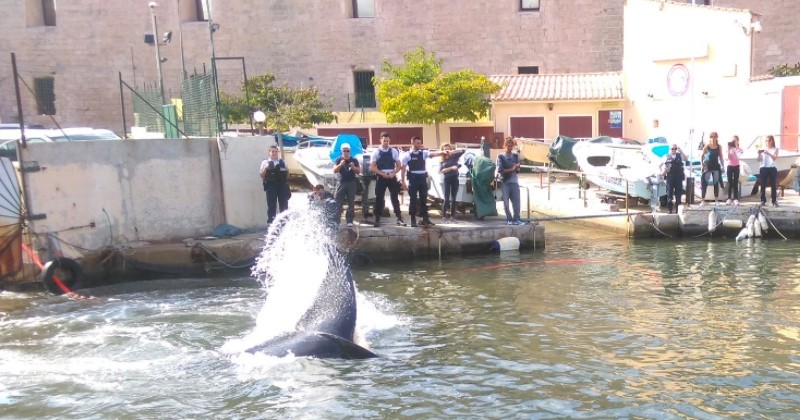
x=67, y=270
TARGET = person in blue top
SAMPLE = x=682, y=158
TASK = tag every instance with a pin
x=413, y=165
x=385, y=164
x=508, y=167
x=449, y=170
x=275, y=177
x=347, y=169
x=711, y=167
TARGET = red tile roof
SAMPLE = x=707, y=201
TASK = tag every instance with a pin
x=559, y=87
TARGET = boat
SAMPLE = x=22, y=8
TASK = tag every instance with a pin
x=747, y=179
x=784, y=162
x=465, y=198
x=621, y=168
x=534, y=150
x=315, y=158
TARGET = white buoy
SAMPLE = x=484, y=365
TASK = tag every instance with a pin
x=743, y=234
x=762, y=220
x=751, y=221
x=756, y=230
x=510, y=243
x=712, y=221
x=732, y=224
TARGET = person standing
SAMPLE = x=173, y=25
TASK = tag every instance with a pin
x=673, y=172
x=486, y=148
x=347, y=169
x=449, y=170
x=733, y=170
x=768, y=172
x=385, y=164
x=711, y=167
x=508, y=167
x=275, y=177
x=413, y=165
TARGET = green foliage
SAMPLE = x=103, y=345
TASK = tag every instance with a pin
x=784, y=70
x=420, y=92
x=285, y=107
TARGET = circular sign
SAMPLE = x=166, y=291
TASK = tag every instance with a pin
x=678, y=80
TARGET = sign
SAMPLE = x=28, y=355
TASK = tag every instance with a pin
x=678, y=80
x=614, y=119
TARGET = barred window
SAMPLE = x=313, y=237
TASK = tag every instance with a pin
x=365, y=90
x=44, y=88
x=49, y=12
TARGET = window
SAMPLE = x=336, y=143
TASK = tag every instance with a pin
x=44, y=88
x=49, y=12
x=363, y=8
x=528, y=70
x=528, y=5
x=365, y=90
x=200, y=10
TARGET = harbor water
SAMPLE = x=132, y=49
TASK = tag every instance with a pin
x=592, y=326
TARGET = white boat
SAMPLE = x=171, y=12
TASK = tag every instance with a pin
x=464, y=195
x=747, y=179
x=622, y=169
x=316, y=157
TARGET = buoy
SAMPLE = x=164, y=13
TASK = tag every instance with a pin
x=756, y=230
x=712, y=221
x=732, y=224
x=743, y=234
x=506, y=244
x=61, y=275
x=762, y=220
x=751, y=221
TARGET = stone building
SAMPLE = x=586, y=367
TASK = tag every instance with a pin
x=74, y=55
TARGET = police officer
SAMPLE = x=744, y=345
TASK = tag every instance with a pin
x=275, y=177
x=347, y=168
x=414, y=167
x=673, y=172
x=385, y=163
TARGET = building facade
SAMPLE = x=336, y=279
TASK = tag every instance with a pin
x=72, y=57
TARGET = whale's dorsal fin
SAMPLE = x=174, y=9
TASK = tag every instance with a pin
x=348, y=349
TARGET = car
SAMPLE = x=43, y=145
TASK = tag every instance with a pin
x=614, y=140
x=81, y=133
x=15, y=126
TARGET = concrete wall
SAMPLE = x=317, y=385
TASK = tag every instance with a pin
x=131, y=190
x=245, y=200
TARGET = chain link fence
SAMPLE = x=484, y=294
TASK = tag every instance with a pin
x=199, y=105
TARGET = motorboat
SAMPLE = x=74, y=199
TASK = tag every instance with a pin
x=621, y=168
x=534, y=150
x=747, y=179
x=465, y=198
x=784, y=162
x=316, y=157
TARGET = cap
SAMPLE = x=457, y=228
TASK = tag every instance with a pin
x=344, y=147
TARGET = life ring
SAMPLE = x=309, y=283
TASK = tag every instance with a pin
x=69, y=274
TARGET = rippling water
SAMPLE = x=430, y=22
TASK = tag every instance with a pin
x=590, y=327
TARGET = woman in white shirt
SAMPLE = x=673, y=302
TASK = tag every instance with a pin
x=768, y=172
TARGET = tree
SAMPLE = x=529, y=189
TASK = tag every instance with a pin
x=784, y=70
x=284, y=106
x=420, y=92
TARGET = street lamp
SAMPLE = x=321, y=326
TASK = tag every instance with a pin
x=153, y=5
x=260, y=117
x=180, y=34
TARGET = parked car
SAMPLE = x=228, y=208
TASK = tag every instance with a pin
x=10, y=137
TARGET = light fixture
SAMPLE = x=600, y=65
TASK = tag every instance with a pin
x=750, y=28
x=550, y=106
x=214, y=27
x=705, y=93
x=649, y=95
x=260, y=117
x=167, y=37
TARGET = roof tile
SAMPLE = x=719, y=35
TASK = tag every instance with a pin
x=563, y=87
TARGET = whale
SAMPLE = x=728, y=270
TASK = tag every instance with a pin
x=326, y=329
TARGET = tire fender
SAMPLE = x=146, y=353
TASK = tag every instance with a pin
x=71, y=274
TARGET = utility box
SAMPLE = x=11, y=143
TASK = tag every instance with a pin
x=170, y=121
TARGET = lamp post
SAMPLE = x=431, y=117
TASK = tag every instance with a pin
x=180, y=34
x=260, y=117
x=153, y=5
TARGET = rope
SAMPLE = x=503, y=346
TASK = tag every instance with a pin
x=771, y=224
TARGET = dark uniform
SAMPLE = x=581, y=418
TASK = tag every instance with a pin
x=386, y=163
x=276, y=185
x=675, y=176
x=417, y=186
